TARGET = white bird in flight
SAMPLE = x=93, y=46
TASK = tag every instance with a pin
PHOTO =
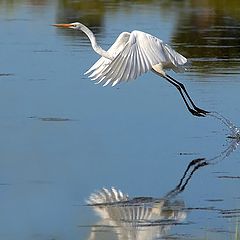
x=133, y=54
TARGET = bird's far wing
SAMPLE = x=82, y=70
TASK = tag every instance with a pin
x=175, y=60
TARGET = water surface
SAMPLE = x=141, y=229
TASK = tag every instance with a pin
x=63, y=137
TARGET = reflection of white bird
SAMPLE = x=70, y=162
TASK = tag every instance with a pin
x=133, y=54
x=137, y=218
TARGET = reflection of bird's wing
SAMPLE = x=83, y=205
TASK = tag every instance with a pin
x=107, y=196
x=134, y=57
x=113, y=204
x=100, y=199
x=136, y=218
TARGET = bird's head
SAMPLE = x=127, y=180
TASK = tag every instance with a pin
x=75, y=25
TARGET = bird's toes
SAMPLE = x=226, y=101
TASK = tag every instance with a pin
x=196, y=113
x=199, y=110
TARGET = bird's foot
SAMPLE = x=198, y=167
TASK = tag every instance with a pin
x=196, y=113
x=199, y=110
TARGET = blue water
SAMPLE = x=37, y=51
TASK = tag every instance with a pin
x=63, y=137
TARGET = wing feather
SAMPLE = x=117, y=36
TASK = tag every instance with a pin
x=113, y=50
x=128, y=71
x=115, y=71
x=127, y=67
x=122, y=71
x=134, y=54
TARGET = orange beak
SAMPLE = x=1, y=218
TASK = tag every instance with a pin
x=63, y=25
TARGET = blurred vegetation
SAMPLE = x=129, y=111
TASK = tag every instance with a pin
x=230, y=7
x=211, y=34
x=12, y=4
x=206, y=29
x=89, y=12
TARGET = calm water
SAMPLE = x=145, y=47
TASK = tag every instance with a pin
x=63, y=137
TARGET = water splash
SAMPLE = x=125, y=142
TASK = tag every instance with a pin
x=232, y=146
x=234, y=131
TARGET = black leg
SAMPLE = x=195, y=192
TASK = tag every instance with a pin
x=192, y=111
x=175, y=84
x=181, y=88
x=199, y=110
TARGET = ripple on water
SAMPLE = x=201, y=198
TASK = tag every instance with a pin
x=51, y=119
x=234, y=131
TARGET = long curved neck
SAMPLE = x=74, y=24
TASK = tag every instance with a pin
x=93, y=41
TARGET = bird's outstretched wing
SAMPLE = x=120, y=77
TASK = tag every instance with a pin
x=114, y=50
x=135, y=56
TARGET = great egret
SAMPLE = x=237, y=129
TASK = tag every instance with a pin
x=133, y=54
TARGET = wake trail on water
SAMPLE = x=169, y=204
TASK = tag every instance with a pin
x=234, y=131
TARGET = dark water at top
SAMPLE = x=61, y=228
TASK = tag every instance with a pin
x=63, y=137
